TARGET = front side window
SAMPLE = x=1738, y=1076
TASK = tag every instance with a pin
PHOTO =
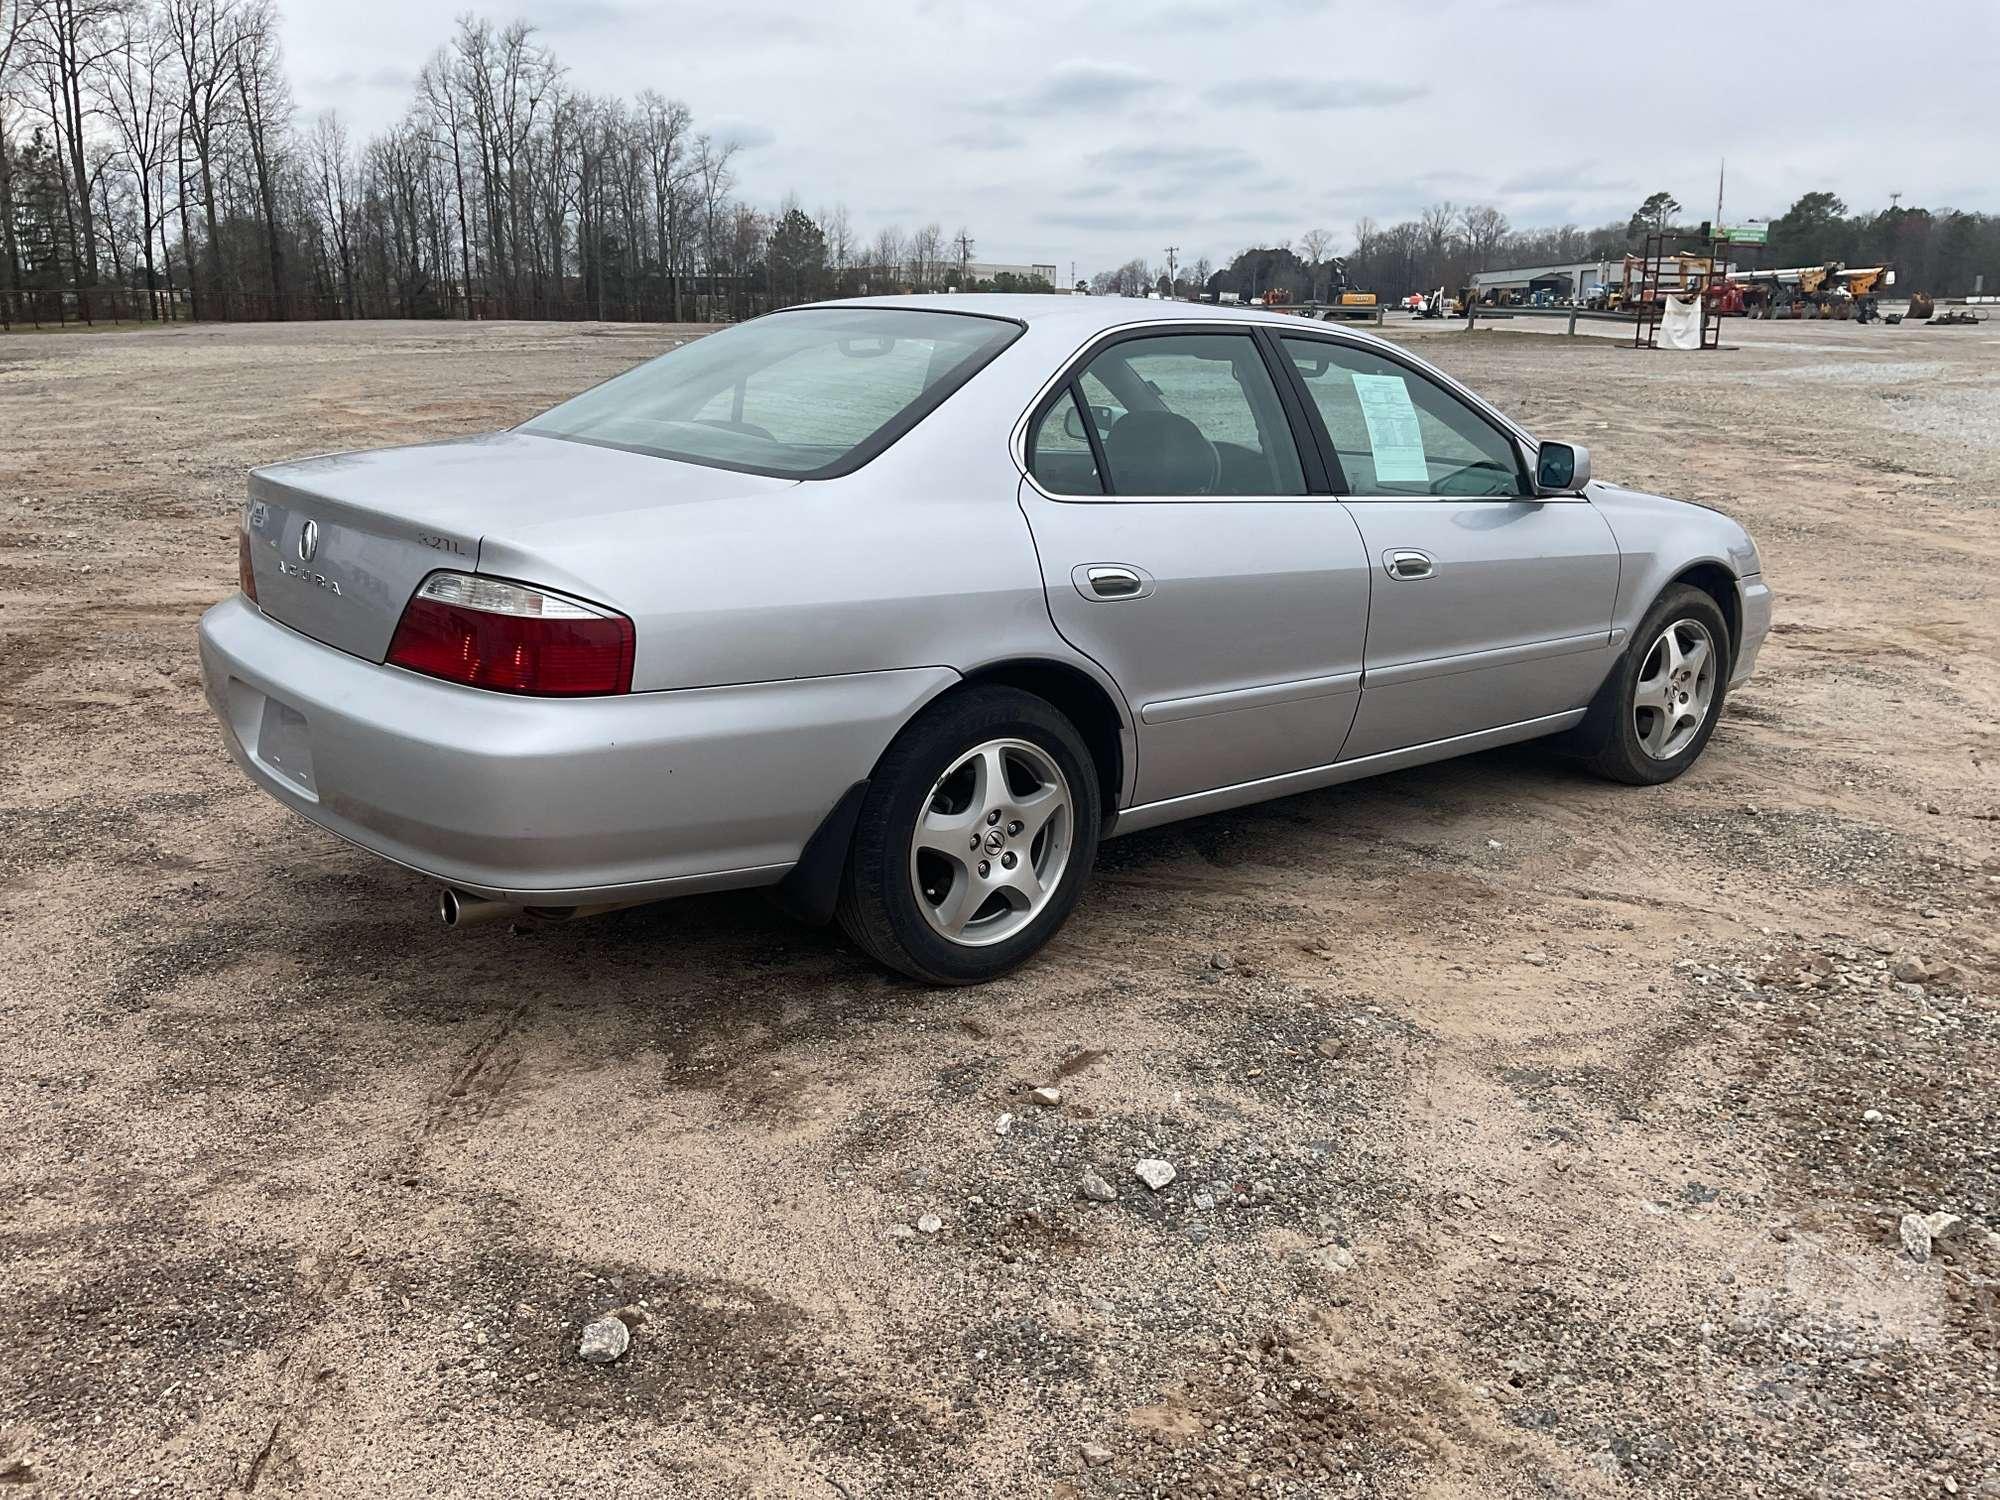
x=1395, y=432
x=798, y=394
x=1187, y=415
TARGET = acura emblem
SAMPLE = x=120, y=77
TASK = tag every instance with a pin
x=308, y=541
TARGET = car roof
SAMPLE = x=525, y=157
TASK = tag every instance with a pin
x=1084, y=316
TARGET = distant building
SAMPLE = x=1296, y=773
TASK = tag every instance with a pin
x=1563, y=279
x=987, y=270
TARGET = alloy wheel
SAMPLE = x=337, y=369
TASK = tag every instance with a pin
x=992, y=841
x=1676, y=689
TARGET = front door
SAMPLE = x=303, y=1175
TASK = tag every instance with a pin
x=1491, y=607
x=1183, y=552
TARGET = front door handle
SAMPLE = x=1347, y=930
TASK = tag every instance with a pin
x=1406, y=563
x=1111, y=581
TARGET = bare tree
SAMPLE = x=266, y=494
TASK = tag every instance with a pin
x=67, y=42
x=265, y=98
x=664, y=125
x=332, y=168
x=839, y=244
x=1435, y=227
x=922, y=254
x=17, y=19
x=713, y=180
x=1313, y=245
x=132, y=84
x=203, y=34
x=888, y=259
x=1485, y=228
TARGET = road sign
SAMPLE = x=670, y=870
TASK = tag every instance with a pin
x=1746, y=234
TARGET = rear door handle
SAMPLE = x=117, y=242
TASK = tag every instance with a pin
x=1111, y=581
x=1406, y=563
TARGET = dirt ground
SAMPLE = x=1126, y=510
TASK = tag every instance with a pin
x=1535, y=1136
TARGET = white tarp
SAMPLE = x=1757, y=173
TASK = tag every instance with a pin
x=1680, y=323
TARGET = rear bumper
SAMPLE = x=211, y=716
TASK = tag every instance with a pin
x=548, y=801
x=1753, y=608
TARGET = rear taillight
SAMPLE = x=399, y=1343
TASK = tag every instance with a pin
x=513, y=638
x=245, y=578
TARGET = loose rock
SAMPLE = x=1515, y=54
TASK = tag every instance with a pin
x=603, y=1341
x=930, y=1224
x=1915, y=1233
x=1155, y=1173
x=1097, y=1190
x=1096, y=1455
x=1046, y=1097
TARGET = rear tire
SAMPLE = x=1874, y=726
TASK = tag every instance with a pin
x=1006, y=794
x=1668, y=691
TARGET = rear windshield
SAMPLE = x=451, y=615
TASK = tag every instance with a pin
x=802, y=394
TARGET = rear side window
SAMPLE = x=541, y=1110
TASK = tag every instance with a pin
x=1182, y=415
x=801, y=395
x=1397, y=433
x=1060, y=455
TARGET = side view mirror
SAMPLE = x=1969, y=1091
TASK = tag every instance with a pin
x=1561, y=468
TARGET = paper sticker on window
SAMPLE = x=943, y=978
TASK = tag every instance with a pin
x=1393, y=434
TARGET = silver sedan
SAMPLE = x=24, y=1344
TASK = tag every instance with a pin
x=900, y=606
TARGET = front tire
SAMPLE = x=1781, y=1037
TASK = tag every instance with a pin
x=975, y=838
x=1668, y=692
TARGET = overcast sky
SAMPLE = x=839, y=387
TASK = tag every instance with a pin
x=1060, y=132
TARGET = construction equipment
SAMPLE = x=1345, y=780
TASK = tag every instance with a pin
x=1343, y=300
x=1436, y=305
x=1957, y=317
x=1921, y=307
x=1830, y=290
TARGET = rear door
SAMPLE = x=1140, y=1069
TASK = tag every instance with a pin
x=1491, y=607
x=1189, y=546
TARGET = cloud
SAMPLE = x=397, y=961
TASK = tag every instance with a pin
x=1181, y=163
x=557, y=16
x=1077, y=87
x=744, y=135
x=374, y=78
x=1579, y=177
x=985, y=140
x=1121, y=223
x=1187, y=14
x=1301, y=94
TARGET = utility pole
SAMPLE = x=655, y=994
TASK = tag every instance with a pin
x=1172, y=251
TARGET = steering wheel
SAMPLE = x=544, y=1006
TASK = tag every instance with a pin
x=1444, y=484
x=1161, y=453
x=748, y=429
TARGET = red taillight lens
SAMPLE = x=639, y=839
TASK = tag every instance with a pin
x=513, y=638
x=245, y=578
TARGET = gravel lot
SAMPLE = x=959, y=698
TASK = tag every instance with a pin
x=1533, y=1136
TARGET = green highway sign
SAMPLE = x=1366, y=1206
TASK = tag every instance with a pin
x=1746, y=234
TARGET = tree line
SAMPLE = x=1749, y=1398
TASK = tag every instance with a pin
x=1945, y=251
x=150, y=156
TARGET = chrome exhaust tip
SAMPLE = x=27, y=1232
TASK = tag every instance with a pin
x=462, y=909
x=457, y=908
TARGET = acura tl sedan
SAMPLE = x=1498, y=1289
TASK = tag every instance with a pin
x=900, y=606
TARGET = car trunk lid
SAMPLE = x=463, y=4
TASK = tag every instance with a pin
x=340, y=542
